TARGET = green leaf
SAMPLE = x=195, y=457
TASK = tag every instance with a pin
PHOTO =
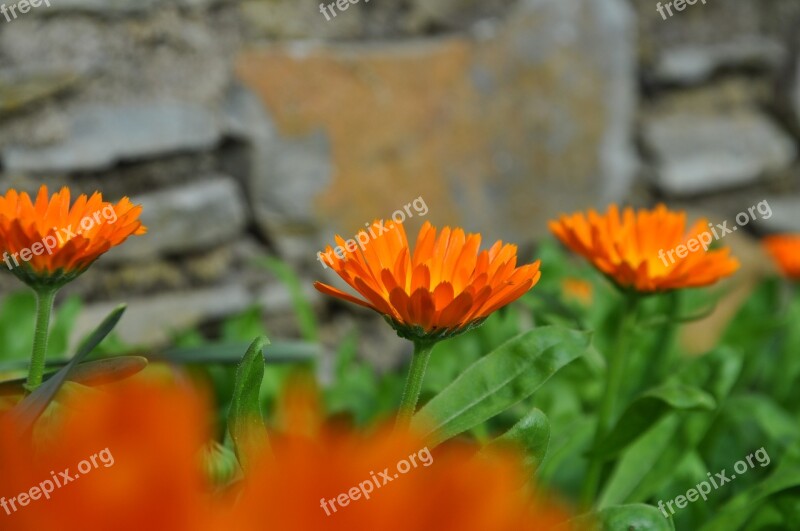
x=502, y=378
x=636, y=517
x=245, y=422
x=90, y=374
x=31, y=407
x=224, y=353
x=737, y=511
x=531, y=434
x=648, y=463
x=647, y=410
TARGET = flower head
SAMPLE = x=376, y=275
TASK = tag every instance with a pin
x=445, y=286
x=48, y=242
x=646, y=250
x=785, y=250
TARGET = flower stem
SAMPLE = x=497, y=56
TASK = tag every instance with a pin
x=416, y=373
x=614, y=376
x=44, y=308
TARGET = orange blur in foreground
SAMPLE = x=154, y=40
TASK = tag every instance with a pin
x=785, y=250
x=155, y=433
x=625, y=247
x=441, y=287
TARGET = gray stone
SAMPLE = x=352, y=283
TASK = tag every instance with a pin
x=19, y=89
x=785, y=215
x=102, y=135
x=284, y=176
x=117, y=7
x=186, y=219
x=151, y=320
x=704, y=153
x=694, y=63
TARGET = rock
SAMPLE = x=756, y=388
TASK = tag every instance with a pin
x=693, y=64
x=19, y=89
x=120, y=7
x=103, y=135
x=186, y=219
x=498, y=130
x=151, y=320
x=785, y=215
x=698, y=153
x=165, y=58
x=285, y=174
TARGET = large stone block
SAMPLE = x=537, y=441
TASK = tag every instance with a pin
x=188, y=219
x=102, y=135
x=708, y=152
x=498, y=131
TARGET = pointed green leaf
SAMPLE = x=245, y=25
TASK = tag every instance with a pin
x=502, y=378
x=28, y=411
x=644, y=412
x=245, y=421
x=91, y=374
x=531, y=434
x=735, y=513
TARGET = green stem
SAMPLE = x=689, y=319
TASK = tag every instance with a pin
x=416, y=373
x=44, y=308
x=614, y=376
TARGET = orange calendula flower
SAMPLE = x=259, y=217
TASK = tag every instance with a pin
x=444, y=286
x=785, y=250
x=48, y=242
x=646, y=250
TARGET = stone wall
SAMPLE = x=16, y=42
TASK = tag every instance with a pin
x=259, y=126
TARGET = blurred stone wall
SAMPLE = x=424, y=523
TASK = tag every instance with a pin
x=260, y=126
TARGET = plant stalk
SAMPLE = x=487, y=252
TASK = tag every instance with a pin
x=413, y=387
x=44, y=309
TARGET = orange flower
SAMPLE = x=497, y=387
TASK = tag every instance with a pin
x=642, y=250
x=444, y=287
x=49, y=242
x=785, y=250
x=126, y=459
x=578, y=290
x=132, y=453
x=334, y=479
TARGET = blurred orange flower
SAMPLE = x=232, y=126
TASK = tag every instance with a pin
x=132, y=454
x=578, y=290
x=445, y=286
x=785, y=250
x=47, y=241
x=628, y=248
x=324, y=477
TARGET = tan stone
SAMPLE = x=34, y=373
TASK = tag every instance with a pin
x=498, y=133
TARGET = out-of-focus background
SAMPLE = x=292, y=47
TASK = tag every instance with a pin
x=260, y=127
